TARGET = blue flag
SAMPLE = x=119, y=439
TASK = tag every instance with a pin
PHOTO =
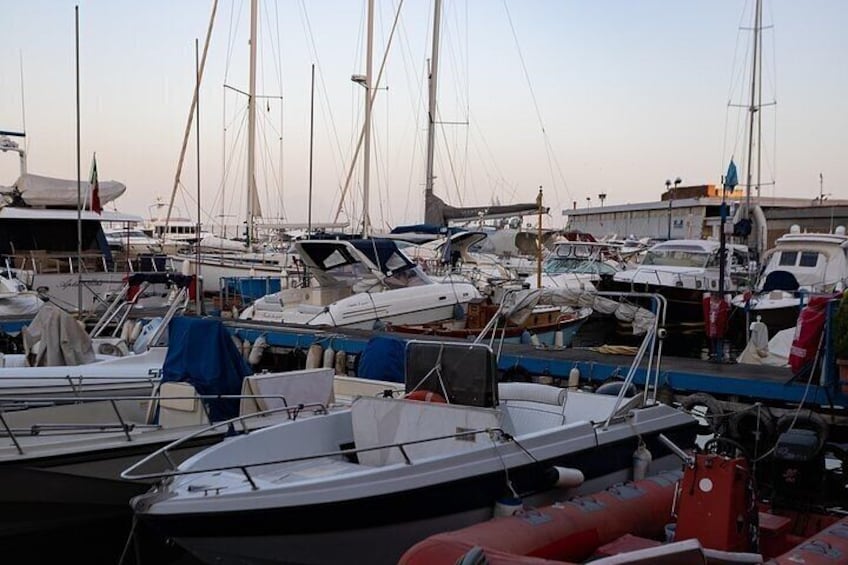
x=731, y=179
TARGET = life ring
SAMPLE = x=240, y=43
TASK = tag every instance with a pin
x=426, y=396
x=808, y=421
x=716, y=422
x=744, y=427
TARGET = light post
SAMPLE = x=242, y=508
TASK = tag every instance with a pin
x=588, y=201
x=602, y=196
x=668, y=184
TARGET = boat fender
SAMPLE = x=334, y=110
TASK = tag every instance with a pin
x=329, y=358
x=136, y=331
x=573, y=378
x=185, y=268
x=258, y=349
x=709, y=409
x=245, y=349
x=564, y=477
x=507, y=506
x=641, y=461
x=341, y=363
x=425, y=396
x=127, y=330
x=314, y=356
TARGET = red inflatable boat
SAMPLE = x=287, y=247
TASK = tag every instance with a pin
x=709, y=513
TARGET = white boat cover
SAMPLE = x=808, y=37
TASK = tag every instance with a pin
x=62, y=340
x=519, y=305
x=37, y=190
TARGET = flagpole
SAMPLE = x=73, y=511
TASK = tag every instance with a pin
x=79, y=181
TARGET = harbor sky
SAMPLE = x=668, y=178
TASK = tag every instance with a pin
x=580, y=98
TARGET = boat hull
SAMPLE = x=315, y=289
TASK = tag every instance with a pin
x=378, y=528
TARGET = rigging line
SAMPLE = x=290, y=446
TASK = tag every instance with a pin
x=235, y=23
x=532, y=92
x=326, y=106
x=373, y=95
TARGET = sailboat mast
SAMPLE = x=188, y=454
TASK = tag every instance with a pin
x=753, y=108
x=251, y=126
x=431, y=108
x=366, y=175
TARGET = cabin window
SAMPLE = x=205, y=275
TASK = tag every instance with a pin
x=788, y=258
x=808, y=259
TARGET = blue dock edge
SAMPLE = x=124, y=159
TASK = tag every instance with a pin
x=721, y=380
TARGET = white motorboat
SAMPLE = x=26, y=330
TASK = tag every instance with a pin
x=117, y=356
x=366, y=483
x=364, y=283
x=683, y=270
x=799, y=265
x=62, y=455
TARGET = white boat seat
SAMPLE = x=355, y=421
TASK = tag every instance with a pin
x=382, y=421
x=179, y=406
x=307, y=386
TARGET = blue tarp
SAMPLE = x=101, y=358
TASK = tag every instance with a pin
x=383, y=359
x=201, y=352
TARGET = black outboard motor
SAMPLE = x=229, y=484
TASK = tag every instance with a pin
x=798, y=469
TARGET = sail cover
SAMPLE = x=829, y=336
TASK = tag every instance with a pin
x=519, y=305
x=37, y=190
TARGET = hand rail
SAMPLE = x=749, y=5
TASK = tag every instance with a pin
x=494, y=433
x=37, y=429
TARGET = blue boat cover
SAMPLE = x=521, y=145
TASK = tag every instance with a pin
x=383, y=359
x=201, y=352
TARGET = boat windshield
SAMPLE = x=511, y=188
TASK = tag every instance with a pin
x=694, y=257
x=559, y=265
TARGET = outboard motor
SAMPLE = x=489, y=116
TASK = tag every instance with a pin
x=798, y=468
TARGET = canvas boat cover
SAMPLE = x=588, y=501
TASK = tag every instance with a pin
x=201, y=352
x=519, y=305
x=41, y=191
x=61, y=340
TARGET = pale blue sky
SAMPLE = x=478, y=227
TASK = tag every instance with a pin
x=629, y=92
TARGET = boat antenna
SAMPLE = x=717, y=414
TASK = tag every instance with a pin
x=79, y=181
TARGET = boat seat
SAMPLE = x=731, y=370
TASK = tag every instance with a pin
x=386, y=421
x=179, y=406
x=290, y=388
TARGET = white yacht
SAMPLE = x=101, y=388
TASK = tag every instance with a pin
x=683, y=270
x=798, y=265
x=363, y=283
x=39, y=227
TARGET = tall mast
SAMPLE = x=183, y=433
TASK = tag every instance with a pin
x=366, y=214
x=252, y=195
x=753, y=108
x=431, y=108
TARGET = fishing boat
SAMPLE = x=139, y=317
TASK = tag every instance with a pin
x=715, y=510
x=372, y=480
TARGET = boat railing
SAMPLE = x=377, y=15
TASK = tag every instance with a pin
x=123, y=424
x=77, y=382
x=495, y=433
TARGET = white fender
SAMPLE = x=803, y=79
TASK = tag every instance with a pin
x=314, y=356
